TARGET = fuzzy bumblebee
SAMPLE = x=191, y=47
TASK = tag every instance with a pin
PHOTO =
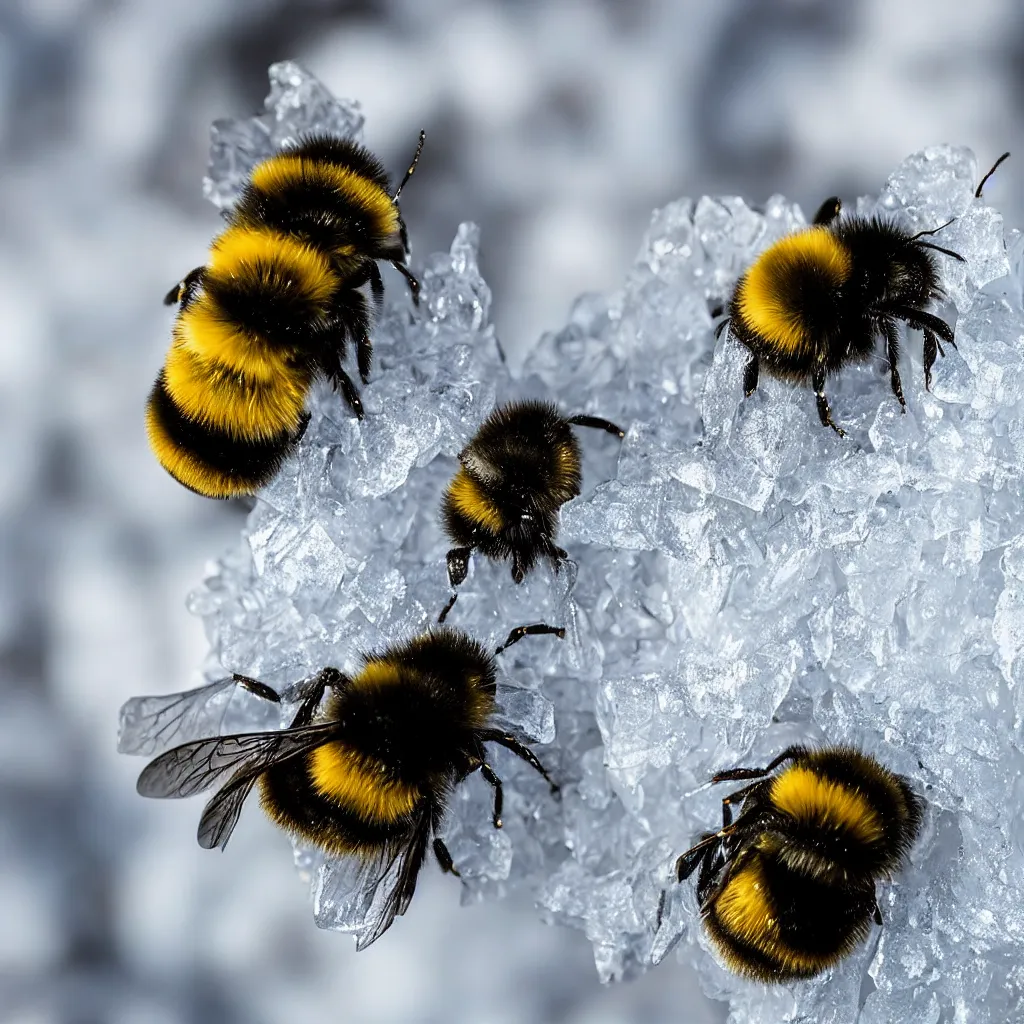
x=369, y=776
x=787, y=890
x=273, y=309
x=522, y=465
x=817, y=300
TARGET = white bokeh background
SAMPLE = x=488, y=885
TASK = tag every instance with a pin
x=555, y=126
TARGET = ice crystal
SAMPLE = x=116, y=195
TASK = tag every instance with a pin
x=741, y=578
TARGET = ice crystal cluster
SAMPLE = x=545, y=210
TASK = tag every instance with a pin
x=741, y=578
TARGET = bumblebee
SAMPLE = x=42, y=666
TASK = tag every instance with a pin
x=818, y=299
x=369, y=775
x=519, y=469
x=271, y=311
x=787, y=890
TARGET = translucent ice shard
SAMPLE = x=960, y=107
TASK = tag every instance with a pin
x=741, y=579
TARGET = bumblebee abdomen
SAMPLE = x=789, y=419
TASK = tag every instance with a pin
x=208, y=459
x=773, y=924
x=785, y=303
x=290, y=797
x=259, y=401
x=361, y=784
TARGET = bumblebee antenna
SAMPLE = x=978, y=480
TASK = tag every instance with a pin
x=934, y=231
x=938, y=248
x=412, y=166
x=981, y=184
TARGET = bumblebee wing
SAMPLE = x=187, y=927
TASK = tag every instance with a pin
x=221, y=814
x=395, y=883
x=150, y=725
x=196, y=766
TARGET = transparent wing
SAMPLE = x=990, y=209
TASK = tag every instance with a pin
x=220, y=816
x=150, y=725
x=395, y=882
x=363, y=896
x=196, y=766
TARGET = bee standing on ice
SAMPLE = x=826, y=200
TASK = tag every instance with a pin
x=787, y=890
x=816, y=300
x=371, y=774
x=522, y=465
x=272, y=310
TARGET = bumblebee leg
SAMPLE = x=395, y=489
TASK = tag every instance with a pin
x=828, y=211
x=185, y=289
x=458, y=565
x=308, y=708
x=538, y=629
x=735, y=798
x=255, y=687
x=518, y=568
x=364, y=357
x=878, y=914
x=824, y=412
x=343, y=382
x=598, y=424
x=376, y=285
x=488, y=773
x=444, y=858
x=931, y=345
x=919, y=319
x=447, y=608
x=414, y=285
x=713, y=864
x=509, y=742
x=687, y=863
x=736, y=774
x=892, y=351
x=334, y=678
x=750, y=374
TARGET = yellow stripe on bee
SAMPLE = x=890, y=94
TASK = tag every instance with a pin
x=286, y=169
x=360, y=784
x=467, y=497
x=743, y=908
x=811, y=799
x=377, y=672
x=761, y=292
x=204, y=330
x=244, y=405
x=186, y=468
x=567, y=461
x=744, y=912
x=245, y=251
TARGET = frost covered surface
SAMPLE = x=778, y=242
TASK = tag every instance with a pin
x=743, y=578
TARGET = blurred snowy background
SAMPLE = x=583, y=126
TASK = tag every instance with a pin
x=556, y=127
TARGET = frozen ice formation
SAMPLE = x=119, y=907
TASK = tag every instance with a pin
x=741, y=578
